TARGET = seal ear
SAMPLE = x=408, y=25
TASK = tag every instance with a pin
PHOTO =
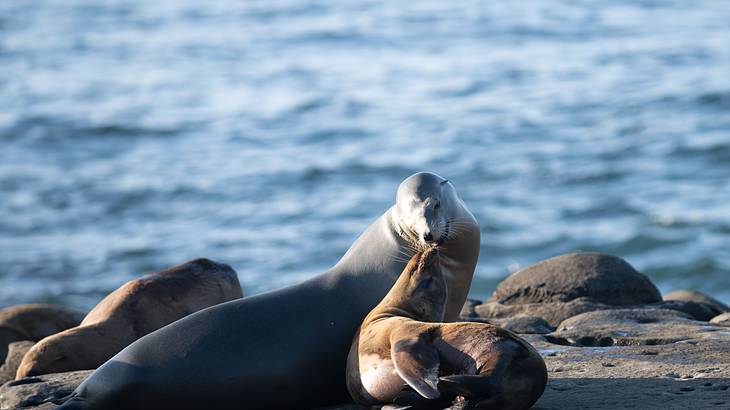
x=442, y=183
x=417, y=363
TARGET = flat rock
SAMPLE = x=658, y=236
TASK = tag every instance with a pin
x=634, y=393
x=553, y=313
x=722, y=320
x=693, y=373
x=527, y=325
x=698, y=310
x=686, y=295
x=16, y=351
x=626, y=327
x=39, y=392
x=602, y=278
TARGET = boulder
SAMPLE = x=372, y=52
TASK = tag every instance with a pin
x=601, y=278
x=40, y=392
x=16, y=351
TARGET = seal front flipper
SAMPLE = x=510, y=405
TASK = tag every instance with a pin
x=417, y=363
x=470, y=386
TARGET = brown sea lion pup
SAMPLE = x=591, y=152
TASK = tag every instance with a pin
x=399, y=348
x=34, y=322
x=137, y=308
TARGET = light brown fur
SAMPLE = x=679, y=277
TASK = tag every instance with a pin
x=135, y=309
x=400, y=339
x=34, y=322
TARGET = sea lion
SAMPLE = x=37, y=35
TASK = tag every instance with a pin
x=34, y=322
x=399, y=345
x=135, y=309
x=288, y=348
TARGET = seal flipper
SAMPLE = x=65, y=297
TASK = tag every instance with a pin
x=408, y=399
x=417, y=363
x=470, y=386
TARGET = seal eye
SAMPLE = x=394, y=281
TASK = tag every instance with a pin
x=437, y=206
x=424, y=284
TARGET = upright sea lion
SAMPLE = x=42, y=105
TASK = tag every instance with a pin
x=399, y=345
x=137, y=308
x=288, y=348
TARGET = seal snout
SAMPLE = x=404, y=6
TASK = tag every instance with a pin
x=429, y=258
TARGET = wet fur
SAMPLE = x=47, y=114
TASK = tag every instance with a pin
x=484, y=364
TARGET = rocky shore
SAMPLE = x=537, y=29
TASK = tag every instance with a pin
x=608, y=337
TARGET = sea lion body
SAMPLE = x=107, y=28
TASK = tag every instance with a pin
x=135, y=309
x=34, y=322
x=286, y=348
x=399, y=346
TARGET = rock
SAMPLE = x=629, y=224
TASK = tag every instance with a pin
x=528, y=325
x=602, y=278
x=468, y=310
x=698, y=310
x=629, y=327
x=698, y=297
x=553, y=313
x=344, y=406
x=694, y=373
x=34, y=322
x=16, y=351
x=654, y=393
x=722, y=320
x=40, y=391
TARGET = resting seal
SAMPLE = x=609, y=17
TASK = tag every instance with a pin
x=398, y=345
x=137, y=308
x=34, y=322
x=288, y=348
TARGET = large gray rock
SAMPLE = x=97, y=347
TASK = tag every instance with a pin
x=599, y=277
x=34, y=322
x=16, y=351
x=40, y=392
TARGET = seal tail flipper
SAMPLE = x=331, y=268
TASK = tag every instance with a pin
x=417, y=363
x=470, y=386
x=408, y=399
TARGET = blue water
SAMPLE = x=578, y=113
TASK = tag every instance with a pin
x=268, y=134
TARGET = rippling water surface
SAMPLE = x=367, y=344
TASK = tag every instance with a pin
x=269, y=134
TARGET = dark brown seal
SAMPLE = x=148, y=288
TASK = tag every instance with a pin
x=399, y=346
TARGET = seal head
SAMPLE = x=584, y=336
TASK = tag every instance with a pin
x=424, y=210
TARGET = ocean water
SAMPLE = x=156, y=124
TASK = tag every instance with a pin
x=268, y=134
